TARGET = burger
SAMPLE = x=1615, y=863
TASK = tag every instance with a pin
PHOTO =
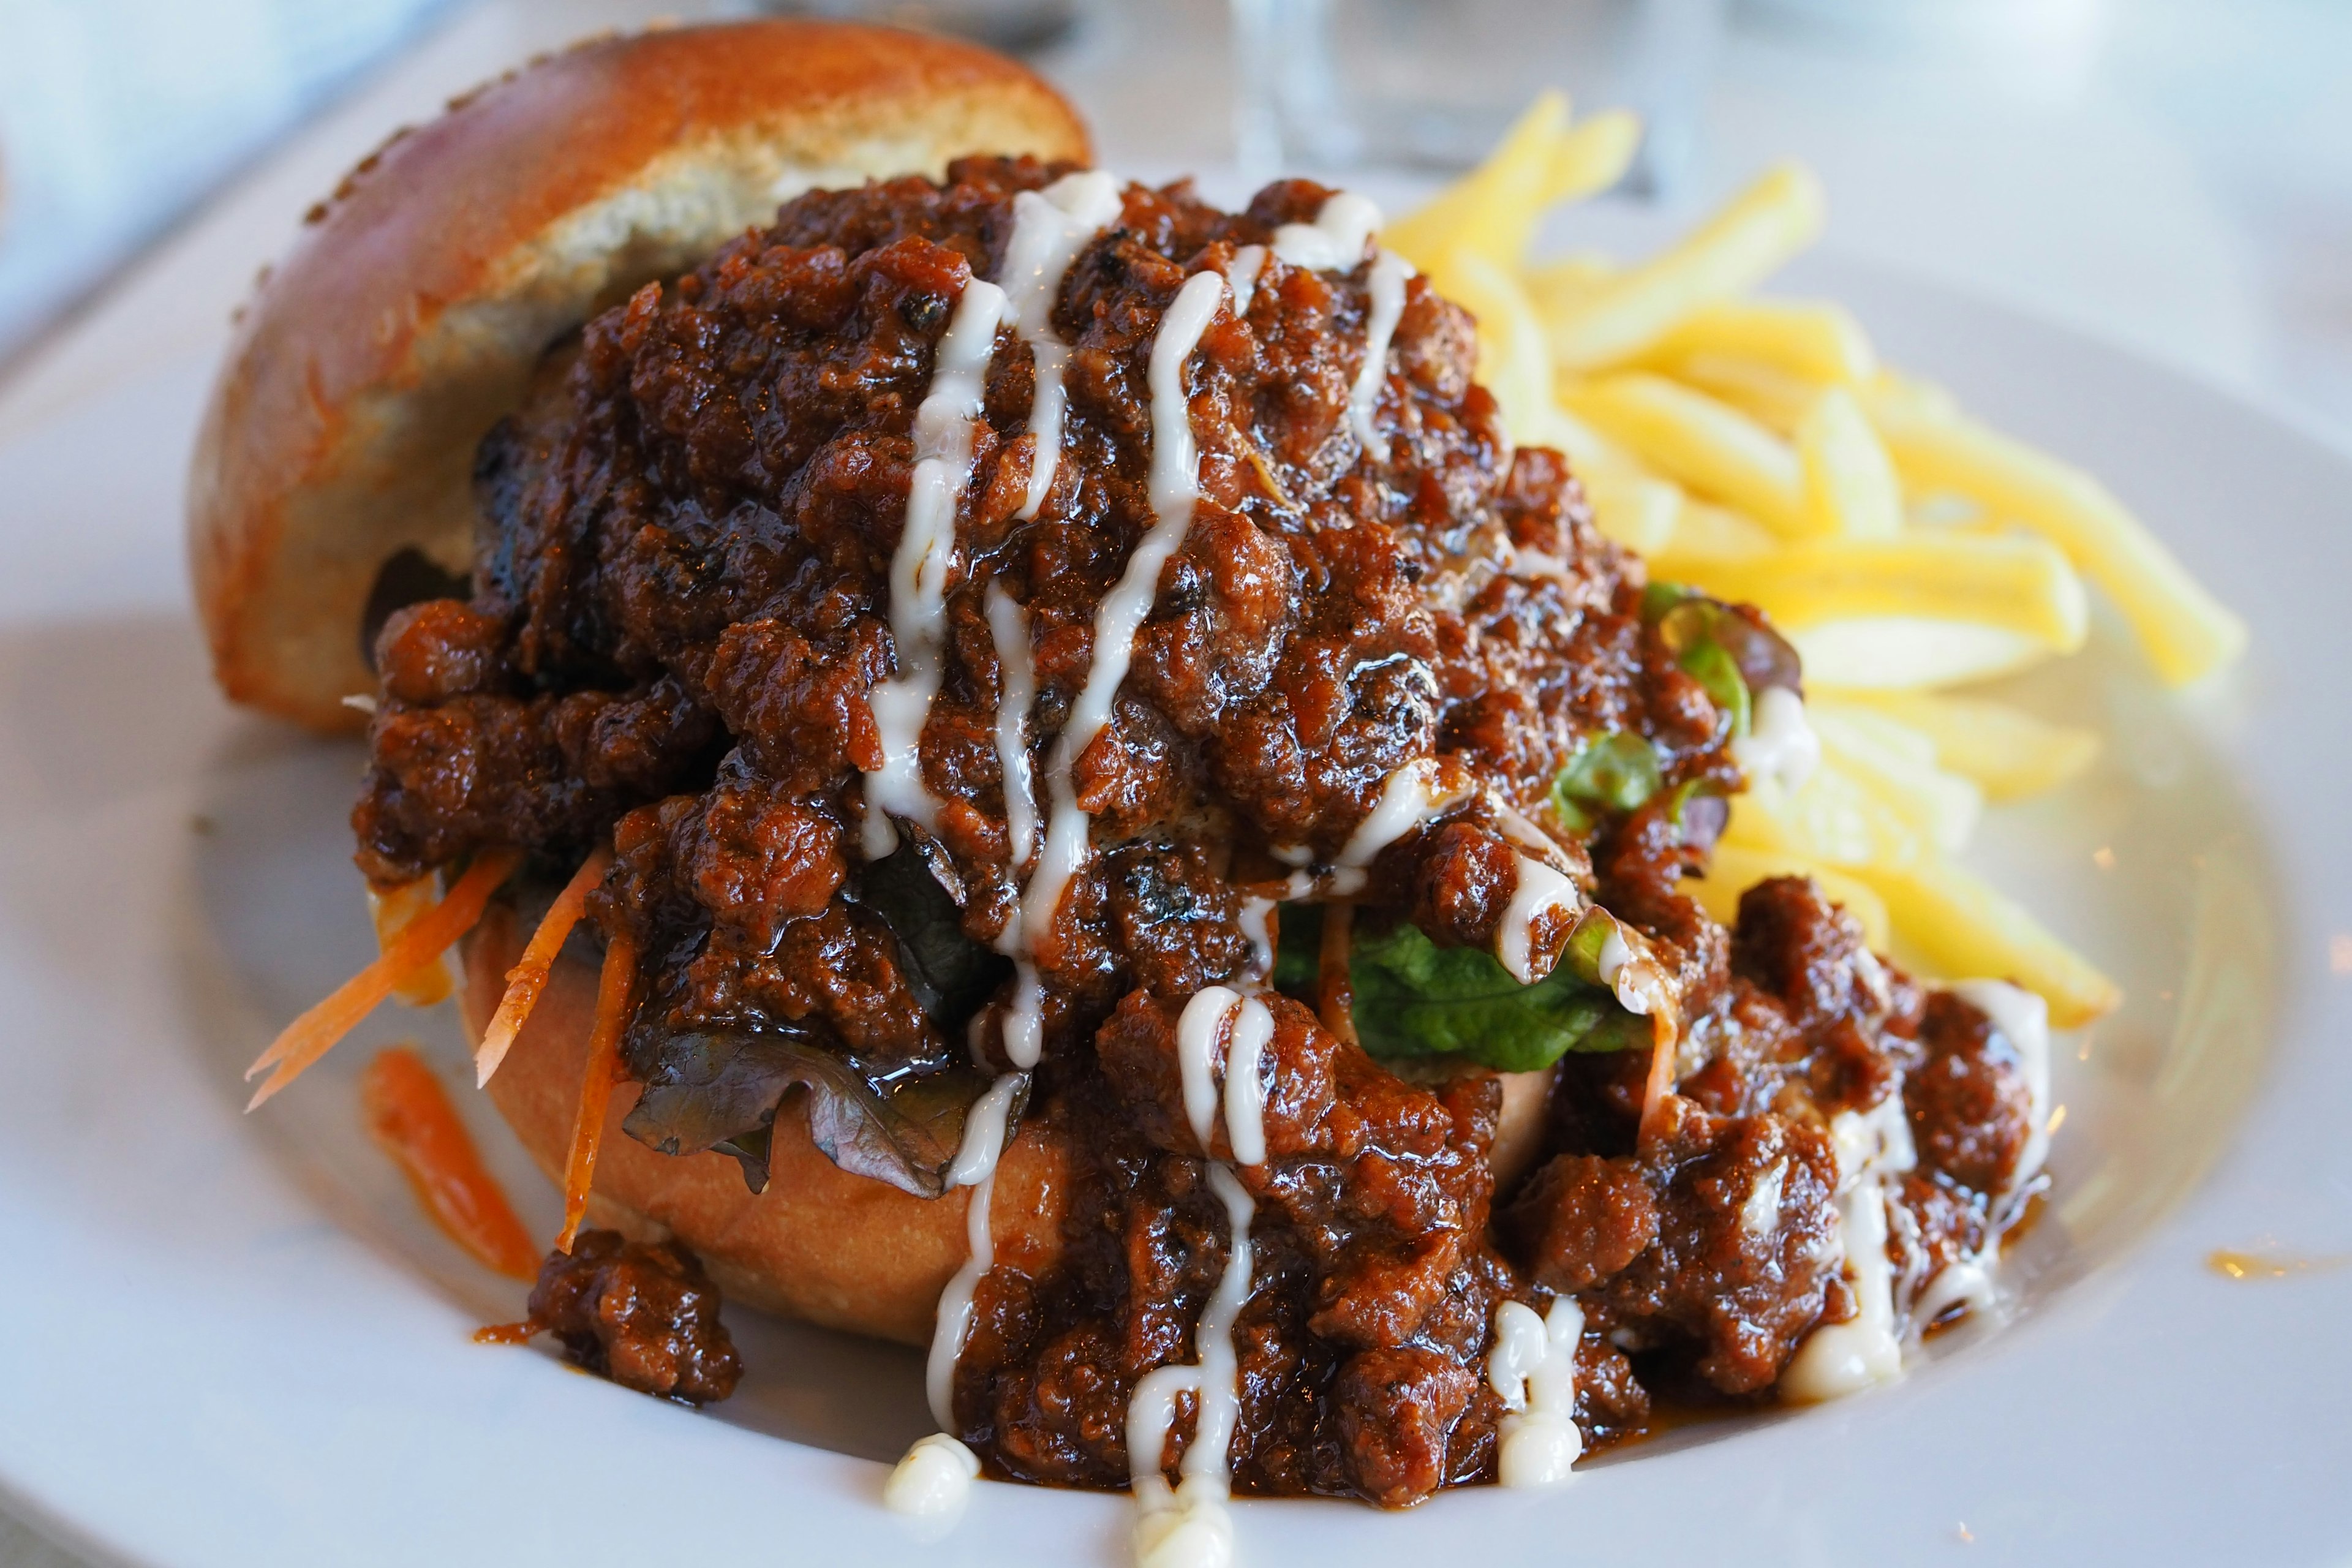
x=1020, y=763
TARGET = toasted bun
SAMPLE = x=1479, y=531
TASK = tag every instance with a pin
x=344, y=425
x=819, y=1245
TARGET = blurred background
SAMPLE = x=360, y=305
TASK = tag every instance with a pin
x=2172, y=175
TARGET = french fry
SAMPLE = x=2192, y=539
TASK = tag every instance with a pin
x=1563, y=285
x=1903, y=652
x=2186, y=632
x=1697, y=441
x=1814, y=340
x=1492, y=211
x=1944, y=918
x=1705, y=534
x=1589, y=157
x=2011, y=584
x=1732, y=869
x=1765, y=393
x=2010, y=754
x=1772, y=220
x=1511, y=356
x=1639, y=511
x=1832, y=818
x=1850, y=483
x=1955, y=926
x=1898, y=766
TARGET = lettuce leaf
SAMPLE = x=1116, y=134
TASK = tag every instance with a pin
x=1414, y=998
x=722, y=1090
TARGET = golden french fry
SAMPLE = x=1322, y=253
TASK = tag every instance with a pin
x=1772, y=220
x=1814, y=342
x=1850, y=483
x=2010, y=752
x=1898, y=767
x=2014, y=584
x=1952, y=923
x=1905, y=392
x=1562, y=284
x=2187, y=632
x=1832, y=818
x=1636, y=509
x=1732, y=869
x=1697, y=441
x=1493, y=210
x=1902, y=652
x=1590, y=156
x=1765, y=393
x=1705, y=532
x=1511, y=356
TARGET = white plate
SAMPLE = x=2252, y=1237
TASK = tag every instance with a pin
x=230, y=1340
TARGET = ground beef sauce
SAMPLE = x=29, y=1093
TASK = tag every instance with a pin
x=681, y=605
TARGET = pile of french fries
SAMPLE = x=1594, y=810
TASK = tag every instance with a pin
x=1756, y=448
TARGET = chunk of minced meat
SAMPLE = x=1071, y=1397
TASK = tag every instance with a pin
x=645, y=1315
x=1970, y=1108
x=1744, y=1277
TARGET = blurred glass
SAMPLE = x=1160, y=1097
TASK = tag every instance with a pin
x=1431, y=84
x=1017, y=25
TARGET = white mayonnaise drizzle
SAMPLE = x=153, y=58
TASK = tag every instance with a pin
x=1253, y=1031
x=1539, y=890
x=1873, y=1148
x=2024, y=1017
x=1780, y=744
x=1255, y=920
x=919, y=568
x=1035, y=266
x=1174, y=487
x=1008, y=628
x=975, y=1167
x=1335, y=241
x=1520, y=831
x=1845, y=1358
x=1838, y=1359
x=1412, y=796
x=1761, y=1215
x=1205, y=1017
x=1390, y=271
x=1636, y=983
x=1242, y=273
x=1188, y=1526
x=1024, y=1021
x=1531, y=1367
x=933, y=1482
x=1049, y=228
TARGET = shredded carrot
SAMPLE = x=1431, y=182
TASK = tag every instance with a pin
x=1665, y=1036
x=422, y=940
x=393, y=913
x=1335, y=995
x=411, y=1119
x=613, y=991
x=529, y=977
